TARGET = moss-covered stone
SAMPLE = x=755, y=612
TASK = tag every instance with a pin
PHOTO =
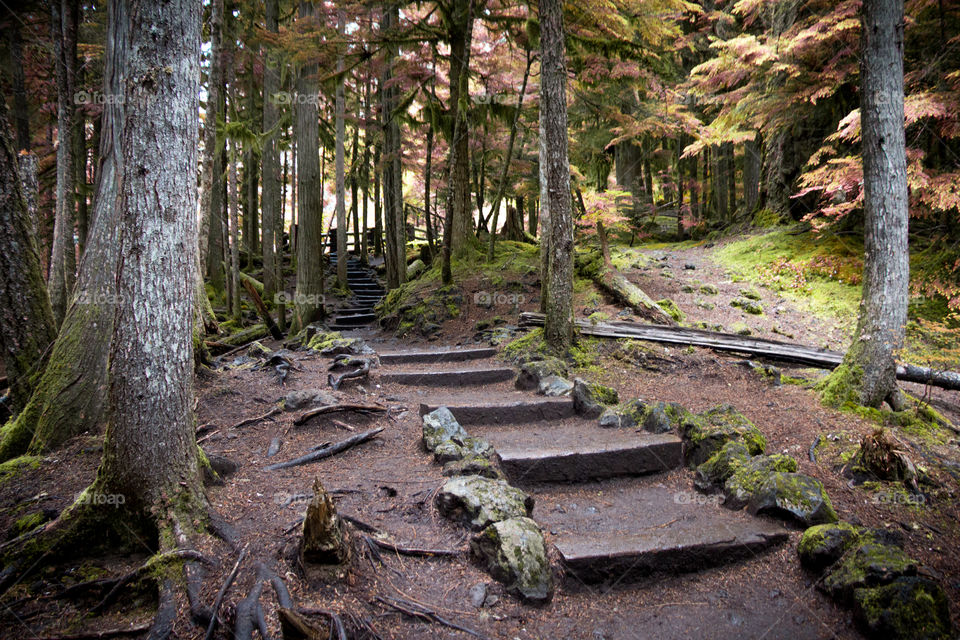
x=590, y=399
x=671, y=309
x=706, y=433
x=823, y=544
x=750, y=294
x=795, y=497
x=909, y=608
x=480, y=501
x=534, y=371
x=713, y=473
x=448, y=441
x=750, y=306
x=869, y=564
x=474, y=465
x=530, y=346
x=515, y=553
x=751, y=474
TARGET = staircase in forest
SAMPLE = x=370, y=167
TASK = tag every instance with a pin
x=616, y=503
x=367, y=293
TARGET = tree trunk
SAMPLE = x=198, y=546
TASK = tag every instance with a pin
x=868, y=373
x=21, y=113
x=751, y=174
x=63, y=254
x=150, y=452
x=271, y=164
x=26, y=319
x=531, y=216
x=367, y=141
x=309, y=293
x=558, y=330
x=460, y=37
x=393, y=215
x=210, y=180
x=377, y=205
x=339, y=161
x=354, y=186
x=234, y=234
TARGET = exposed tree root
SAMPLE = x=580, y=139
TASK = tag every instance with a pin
x=421, y=612
x=223, y=592
x=166, y=613
x=326, y=451
x=333, y=408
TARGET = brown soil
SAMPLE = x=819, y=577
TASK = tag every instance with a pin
x=390, y=482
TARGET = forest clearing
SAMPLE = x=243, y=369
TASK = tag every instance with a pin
x=479, y=318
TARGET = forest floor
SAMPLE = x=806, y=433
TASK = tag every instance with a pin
x=389, y=482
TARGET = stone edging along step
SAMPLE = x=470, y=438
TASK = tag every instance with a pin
x=449, y=378
x=522, y=412
x=461, y=355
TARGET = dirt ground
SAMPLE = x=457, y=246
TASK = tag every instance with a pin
x=389, y=483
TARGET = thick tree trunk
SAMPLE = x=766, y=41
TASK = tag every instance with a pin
x=271, y=163
x=63, y=254
x=460, y=36
x=26, y=320
x=868, y=373
x=393, y=215
x=150, y=452
x=309, y=293
x=21, y=112
x=558, y=330
x=251, y=173
x=751, y=173
x=70, y=396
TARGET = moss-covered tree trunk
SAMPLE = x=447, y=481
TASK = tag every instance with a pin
x=26, y=319
x=868, y=373
x=70, y=395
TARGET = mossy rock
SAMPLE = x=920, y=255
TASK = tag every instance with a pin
x=530, y=346
x=869, y=564
x=655, y=419
x=709, y=306
x=750, y=294
x=750, y=306
x=689, y=288
x=474, y=465
x=751, y=474
x=515, y=553
x=713, y=473
x=823, y=544
x=448, y=441
x=590, y=399
x=709, y=289
x=535, y=371
x=479, y=501
x=794, y=497
x=909, y=608
x=625, y=415
x=671, y=309
x=709, y=431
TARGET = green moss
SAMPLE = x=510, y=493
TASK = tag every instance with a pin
x=870, y=564
x=671, y=309
x=765, y=218
x=906, y=609
x=823, y=544
x=598, y=317
x=750, y=293
x=530, y=346
x=709, y=289
x=750, y=306
x=322, y=340
x=28, y=523
x=13, y=467
x=721, y=465
x=749, y=475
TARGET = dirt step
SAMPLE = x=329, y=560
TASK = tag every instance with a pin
x=582, y=452
x=652, y=531
x=453, y=355
x=448, y=378
x=522, y=412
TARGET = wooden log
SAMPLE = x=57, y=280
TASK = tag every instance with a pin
x=773, y=349
x=326, y=452
x=262, y=310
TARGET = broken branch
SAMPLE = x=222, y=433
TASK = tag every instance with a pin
x=326, y=452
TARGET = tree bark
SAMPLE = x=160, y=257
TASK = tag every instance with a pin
x=27, y=326
x=211, y=171
x=150, y=451
x=460, y=36
x=63, y=254
x=21, y=112
x=558, y=330
x=393, y=214
x=868, y=373
x=309, y=294
x=271, y=163
x=751, y=173
x=339, y=159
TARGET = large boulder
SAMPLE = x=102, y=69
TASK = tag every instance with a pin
x=532, y=373
x=590, y=400
x=712, y=474
x=751, y=474
x=448, y=441
x=480, y=501
x=823, y=544
x=871, y=564
x=515, y=553
x=909, y=608
x=707, y=432
x=795, y=497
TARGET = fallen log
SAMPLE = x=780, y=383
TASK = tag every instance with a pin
x=262, y=310
x=327, y=451
x=773, y=349
x=333, y=408
x=600, y=269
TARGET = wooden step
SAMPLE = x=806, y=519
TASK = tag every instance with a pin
x=511, y=413
x=448, y=378
x=660, y=533
x=454, y=355
x=583, y=452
